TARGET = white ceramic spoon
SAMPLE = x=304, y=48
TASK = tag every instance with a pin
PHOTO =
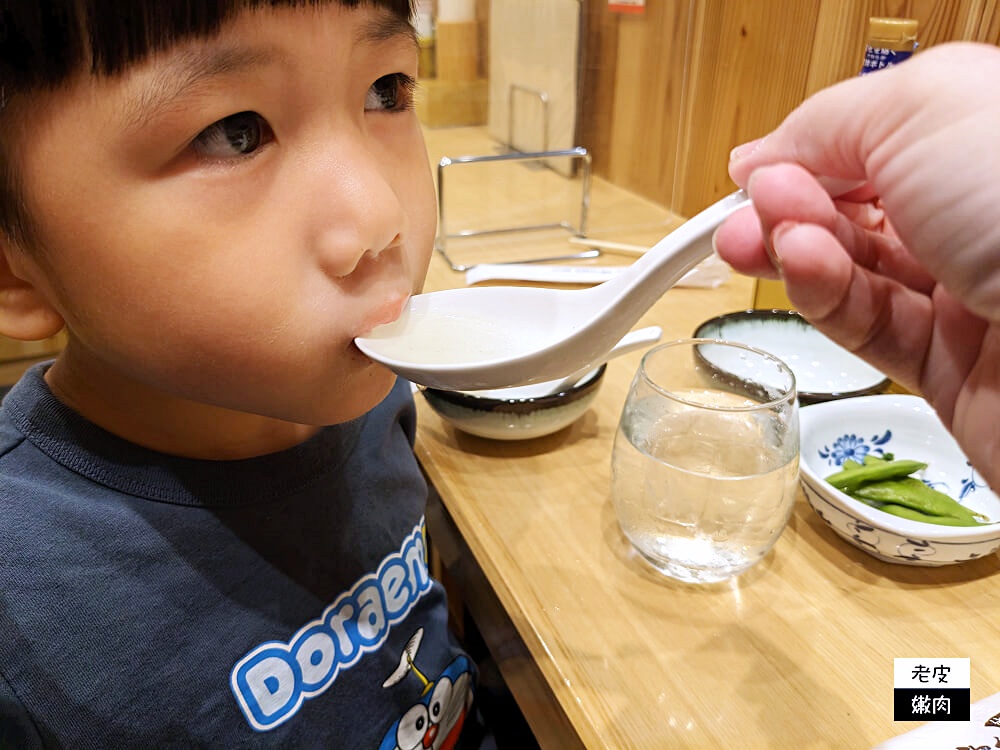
x=631, y=341
x=477, y=338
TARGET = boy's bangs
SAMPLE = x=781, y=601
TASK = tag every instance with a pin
x=43, y=42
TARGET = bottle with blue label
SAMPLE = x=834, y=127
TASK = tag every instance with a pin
x=890, y=42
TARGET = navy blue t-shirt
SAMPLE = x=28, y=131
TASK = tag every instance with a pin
x=149, y=601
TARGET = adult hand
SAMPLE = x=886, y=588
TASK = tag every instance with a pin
x=904, y=268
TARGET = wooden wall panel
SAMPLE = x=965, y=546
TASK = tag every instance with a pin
x=748, y=70
x=690, y=79
x=985, y=25
x=647, y=112
x=599, y=42
x=838, y=43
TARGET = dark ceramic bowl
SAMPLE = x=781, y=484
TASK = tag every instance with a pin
x=515, y=413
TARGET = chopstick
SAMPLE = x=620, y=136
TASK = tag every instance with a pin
x=623, y=248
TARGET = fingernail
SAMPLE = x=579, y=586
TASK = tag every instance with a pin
x=772, y=256
x=745, y=149
x=773, y=239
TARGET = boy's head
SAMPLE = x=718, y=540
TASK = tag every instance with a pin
x=216, y=198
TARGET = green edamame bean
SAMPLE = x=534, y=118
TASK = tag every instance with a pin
x=915, y=515
x=912, y=493
x=850, y=479
x=870, y=459
x=884, y=483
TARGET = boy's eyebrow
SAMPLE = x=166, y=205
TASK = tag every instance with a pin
x=387, y=27
x=188, y=69
x=185, y=72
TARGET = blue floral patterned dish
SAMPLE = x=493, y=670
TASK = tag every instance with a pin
x=907, y=427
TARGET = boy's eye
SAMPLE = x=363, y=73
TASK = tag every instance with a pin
x=237, y=135
x=392, y=93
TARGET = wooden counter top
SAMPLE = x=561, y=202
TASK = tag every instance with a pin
x=601, y=652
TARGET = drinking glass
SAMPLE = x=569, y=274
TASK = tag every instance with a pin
x=706, y=458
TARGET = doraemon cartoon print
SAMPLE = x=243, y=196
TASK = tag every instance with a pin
x=434, y=720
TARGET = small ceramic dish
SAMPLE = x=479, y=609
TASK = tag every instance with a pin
x=908, y=428
x=823, y=369
x=519, y=413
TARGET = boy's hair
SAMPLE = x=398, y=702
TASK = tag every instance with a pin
x=44, y=42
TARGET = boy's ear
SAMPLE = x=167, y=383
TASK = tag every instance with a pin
x=25, y=313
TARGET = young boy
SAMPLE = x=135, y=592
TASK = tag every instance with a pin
x=211, y=519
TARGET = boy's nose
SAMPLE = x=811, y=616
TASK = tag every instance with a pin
x=357, y=211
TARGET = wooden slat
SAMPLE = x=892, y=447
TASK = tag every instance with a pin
x=748, y=71
x=645, y=128
x=597, y=82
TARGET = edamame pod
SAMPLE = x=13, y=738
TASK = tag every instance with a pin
x=884, y=483
x=912, y=493
x=848, y=480
x=915, y=515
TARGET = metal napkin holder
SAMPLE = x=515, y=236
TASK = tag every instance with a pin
x=578, y=228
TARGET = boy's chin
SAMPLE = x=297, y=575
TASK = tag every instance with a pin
x=321, y=406
x=359, y=400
